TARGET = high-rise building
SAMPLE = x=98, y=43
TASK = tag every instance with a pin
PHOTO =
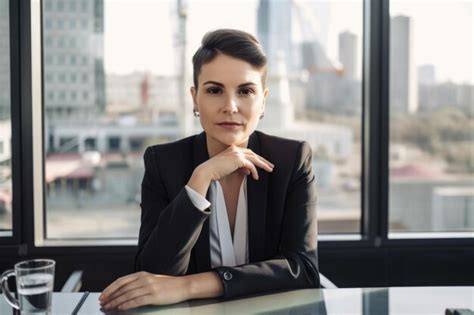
x=426, y=75
x=403, y=83
x=4, y=61
x=447, y=94
x=348, y=54
x=274, y=28
x=73, y=54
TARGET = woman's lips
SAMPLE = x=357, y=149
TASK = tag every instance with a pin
x=230, y=125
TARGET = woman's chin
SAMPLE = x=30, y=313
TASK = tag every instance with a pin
x=231, y=139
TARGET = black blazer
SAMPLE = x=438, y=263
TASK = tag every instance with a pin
x=282, y=229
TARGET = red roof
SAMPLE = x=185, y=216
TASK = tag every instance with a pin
x=416, y=171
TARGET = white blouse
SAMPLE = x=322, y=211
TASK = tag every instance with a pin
x=224, y=250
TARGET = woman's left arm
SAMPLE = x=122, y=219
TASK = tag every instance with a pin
x=296, y=264
x=144, y=288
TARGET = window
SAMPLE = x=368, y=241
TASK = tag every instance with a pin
x=114, y=144
x=90, y=144
x=61, y=42
x=68, y=181
x=136, y=144
x=48, y=59
x=60, y=60
x=432, y=122
x=68, y=144
x=5, y=124
x=121, y=101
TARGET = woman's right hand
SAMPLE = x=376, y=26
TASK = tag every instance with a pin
x=232, y=159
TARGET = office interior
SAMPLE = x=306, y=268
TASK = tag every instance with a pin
x=86, y=86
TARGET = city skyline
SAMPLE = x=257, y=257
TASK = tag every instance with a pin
x=119, y=36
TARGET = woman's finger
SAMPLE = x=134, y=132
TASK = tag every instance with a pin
x=136, y=302
x=249, y=151
x=117, y=284
x=255, y=159
x=250, y=166
x=133, y=285
x=128, y=296
x=260, y=157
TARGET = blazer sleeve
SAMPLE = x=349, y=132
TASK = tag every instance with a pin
x=296, y=264
x=157, y=251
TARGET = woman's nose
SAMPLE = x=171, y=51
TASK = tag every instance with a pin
x=231, y=105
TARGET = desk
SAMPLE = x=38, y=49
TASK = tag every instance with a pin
x=379, y=301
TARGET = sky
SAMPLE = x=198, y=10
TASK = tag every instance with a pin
x=139, y=33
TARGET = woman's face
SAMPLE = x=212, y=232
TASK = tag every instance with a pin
x=230, y=99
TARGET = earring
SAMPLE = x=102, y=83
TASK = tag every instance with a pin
x=262, y=115
x=195, y=112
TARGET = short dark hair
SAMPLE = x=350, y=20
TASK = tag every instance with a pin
x=233, y=43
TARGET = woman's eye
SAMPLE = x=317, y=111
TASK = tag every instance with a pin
x=214, y=90
x=246, y=91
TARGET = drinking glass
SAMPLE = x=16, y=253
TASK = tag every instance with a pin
x=34, y=282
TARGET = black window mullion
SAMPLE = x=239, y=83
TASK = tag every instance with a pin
x=26, y=127
x=375, y=96
x=384, y=122
x=15, y=98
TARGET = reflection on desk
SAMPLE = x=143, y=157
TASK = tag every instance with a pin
x=380, y=301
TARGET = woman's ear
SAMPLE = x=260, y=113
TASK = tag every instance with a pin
x=193, y=95
x=265, y=94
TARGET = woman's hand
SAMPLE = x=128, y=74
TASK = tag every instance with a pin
x=228, y=161
x=143, y=288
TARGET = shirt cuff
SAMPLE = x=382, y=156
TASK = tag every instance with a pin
x=197, y=199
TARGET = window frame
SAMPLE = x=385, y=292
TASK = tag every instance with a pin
x=27, y=232
x=16, y=164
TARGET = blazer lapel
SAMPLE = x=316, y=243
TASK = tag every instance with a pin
x=257, y=206
x=201, y=248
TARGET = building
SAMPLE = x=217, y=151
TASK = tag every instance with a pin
x=403, y=83
x=141, y=94
x=348, y=54
x=122, y=136
x=73, y=54
x=446, y=95
x=5, y=146
x=453, y=209
x=426, y=75
x=336, y=141
x=421, y=203
x=4, y=61
x=274, y=31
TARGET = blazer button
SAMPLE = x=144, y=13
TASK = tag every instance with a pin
x=227, y=275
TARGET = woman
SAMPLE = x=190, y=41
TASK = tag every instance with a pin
x=209, y=230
